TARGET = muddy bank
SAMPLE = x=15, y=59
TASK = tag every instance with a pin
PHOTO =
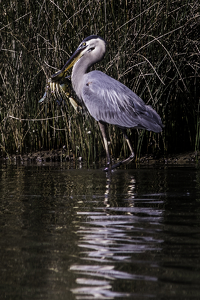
x=63, y=156
x=181, y=158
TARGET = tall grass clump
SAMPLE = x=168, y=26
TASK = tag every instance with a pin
x=153, y=48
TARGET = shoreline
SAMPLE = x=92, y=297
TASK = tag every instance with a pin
x=52, y=156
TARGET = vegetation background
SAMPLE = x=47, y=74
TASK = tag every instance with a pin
x=153, y=48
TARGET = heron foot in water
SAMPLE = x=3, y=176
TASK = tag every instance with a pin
x=120, y=163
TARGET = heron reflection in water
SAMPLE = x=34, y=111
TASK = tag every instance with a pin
x=106, y=99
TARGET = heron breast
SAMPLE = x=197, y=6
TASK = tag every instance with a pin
x=88, y=83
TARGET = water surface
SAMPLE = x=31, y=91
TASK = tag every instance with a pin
x=81, y=234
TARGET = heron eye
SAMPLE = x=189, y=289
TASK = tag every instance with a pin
x=84, y=44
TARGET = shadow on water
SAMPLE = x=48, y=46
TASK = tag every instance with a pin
x=80, y=234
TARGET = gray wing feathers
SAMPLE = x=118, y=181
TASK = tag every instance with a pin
x=110, y=101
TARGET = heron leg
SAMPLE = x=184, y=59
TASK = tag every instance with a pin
x=129, y=143
x=130, y=158
x=105, y=140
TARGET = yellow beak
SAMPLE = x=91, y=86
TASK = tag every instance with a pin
x=69, y=64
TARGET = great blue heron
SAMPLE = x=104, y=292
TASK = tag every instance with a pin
x=106, y=99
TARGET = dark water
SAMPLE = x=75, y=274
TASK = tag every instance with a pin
x=79, y=234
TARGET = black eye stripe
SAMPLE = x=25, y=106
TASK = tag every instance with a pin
x=92, y=48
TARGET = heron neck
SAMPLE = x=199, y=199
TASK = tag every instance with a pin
x=80, y=68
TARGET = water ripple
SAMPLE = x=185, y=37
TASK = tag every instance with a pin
x=115, y=234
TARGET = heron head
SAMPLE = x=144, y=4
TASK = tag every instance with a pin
x=93, y=46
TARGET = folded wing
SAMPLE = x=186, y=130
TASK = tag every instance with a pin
x=110, y=101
